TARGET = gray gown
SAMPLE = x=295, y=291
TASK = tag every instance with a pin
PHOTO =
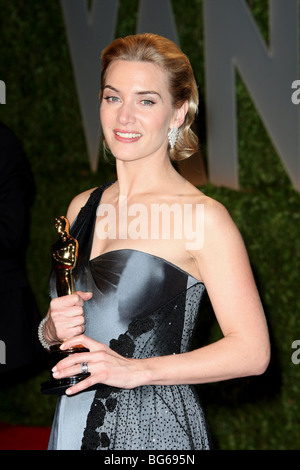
x=142, y=306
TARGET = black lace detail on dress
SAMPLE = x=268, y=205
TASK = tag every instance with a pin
x=138, y=327
x=124, y=346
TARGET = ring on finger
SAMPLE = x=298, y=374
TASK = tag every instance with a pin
x=84, y=368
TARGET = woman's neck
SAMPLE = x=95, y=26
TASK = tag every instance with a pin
x=145, y=176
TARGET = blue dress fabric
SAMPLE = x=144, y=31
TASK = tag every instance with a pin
x=142, y=306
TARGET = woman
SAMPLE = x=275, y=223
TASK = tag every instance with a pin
x=140, y=279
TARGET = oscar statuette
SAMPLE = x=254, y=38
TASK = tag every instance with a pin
x=64, y=257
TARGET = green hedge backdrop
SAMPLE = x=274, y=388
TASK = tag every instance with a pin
x=42, y=109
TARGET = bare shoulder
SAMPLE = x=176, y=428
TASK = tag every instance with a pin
x=222, y=253
x=216, y=222
x=215, y=211
x=77, y=203
x=216, y=214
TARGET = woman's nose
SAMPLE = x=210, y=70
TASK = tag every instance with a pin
x=126, y=113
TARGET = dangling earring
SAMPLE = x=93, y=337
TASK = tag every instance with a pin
x=173, y=135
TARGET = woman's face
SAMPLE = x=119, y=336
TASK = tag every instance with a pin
x=136, y=110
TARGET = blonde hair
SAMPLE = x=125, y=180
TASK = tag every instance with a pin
x=182, y=84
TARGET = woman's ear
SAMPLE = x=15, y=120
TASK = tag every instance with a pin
x=180, y=114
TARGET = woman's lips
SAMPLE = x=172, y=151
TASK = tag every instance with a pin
x=127, y=137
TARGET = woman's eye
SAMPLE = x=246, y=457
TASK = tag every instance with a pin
x=111, y=99
x=147, y=102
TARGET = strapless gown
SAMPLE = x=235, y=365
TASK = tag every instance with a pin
x=142, y=306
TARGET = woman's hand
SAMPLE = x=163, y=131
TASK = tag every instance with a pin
x=104, y=365
x=66, y=317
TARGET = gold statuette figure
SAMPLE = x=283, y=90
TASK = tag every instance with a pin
x=64, y=257
x=64, y=254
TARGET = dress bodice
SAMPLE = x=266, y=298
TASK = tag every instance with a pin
x=136, y=291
